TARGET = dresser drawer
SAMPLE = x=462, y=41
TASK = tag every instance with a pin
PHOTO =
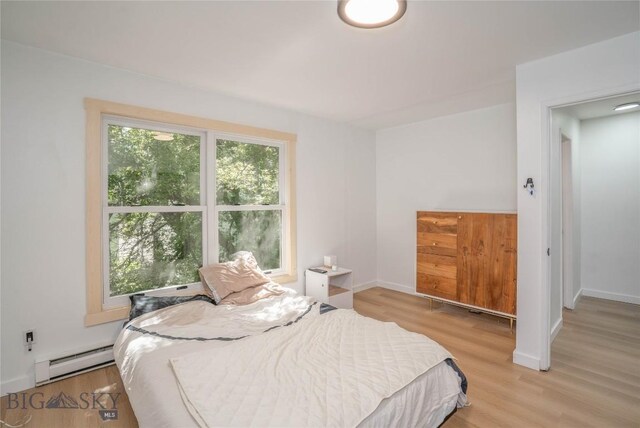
x=437, y=243
x=437, y=286
x=438, y=265
x=445, y=223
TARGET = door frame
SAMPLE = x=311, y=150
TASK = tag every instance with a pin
x=566, y=225
x=547, y=138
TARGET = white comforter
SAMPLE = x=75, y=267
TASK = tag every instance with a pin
x=333, y=369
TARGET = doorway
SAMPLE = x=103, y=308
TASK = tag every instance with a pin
x=593, y=217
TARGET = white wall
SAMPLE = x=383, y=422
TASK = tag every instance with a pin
x=605, y=68
x=611, y=207
x=43, y=204
x=461, y=162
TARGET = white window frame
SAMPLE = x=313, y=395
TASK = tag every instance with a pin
x=96, y=111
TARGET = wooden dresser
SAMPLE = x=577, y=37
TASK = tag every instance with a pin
x=468, y=259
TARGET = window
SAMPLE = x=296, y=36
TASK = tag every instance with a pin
x=250, y=200
x=175, y=193
x=153, y=209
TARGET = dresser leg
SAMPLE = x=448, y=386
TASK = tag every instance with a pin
x=430, y=305
x=511, y=325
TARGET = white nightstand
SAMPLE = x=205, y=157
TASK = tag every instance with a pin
x=333, y=287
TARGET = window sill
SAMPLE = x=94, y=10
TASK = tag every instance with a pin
x=285, y=278
x=107, y=315
x=122, y=312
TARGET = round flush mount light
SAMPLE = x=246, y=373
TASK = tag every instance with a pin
x=371, y=13
x=162, y=136
x=627, y=106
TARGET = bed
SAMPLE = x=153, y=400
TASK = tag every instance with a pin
x=285, y=360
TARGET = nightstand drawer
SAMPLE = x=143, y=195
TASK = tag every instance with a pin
x=332, y=287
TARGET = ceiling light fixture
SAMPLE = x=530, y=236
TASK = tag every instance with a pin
x=627, y=106
x=371, y=13
x=162, y=136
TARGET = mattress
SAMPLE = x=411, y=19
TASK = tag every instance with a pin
x=146, y=345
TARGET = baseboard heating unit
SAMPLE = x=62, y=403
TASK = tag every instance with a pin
x=70, y=365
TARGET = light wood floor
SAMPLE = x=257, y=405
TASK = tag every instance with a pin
x=105, y=380
x=594, y=380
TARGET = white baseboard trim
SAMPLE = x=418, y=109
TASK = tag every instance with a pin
x=364, y=286
x=397, y=287
x=17, y=385
x=388, y=285
x=577, y=298
x=526, y=360
x=625, y=298
x=556, y=329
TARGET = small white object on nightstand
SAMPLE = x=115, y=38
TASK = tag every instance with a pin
x=333, y=287
x=330, y=261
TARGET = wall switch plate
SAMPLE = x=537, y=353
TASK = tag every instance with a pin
x=29, y=333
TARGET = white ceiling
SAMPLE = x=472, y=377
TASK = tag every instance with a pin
x=442, y=57
x=601, y=108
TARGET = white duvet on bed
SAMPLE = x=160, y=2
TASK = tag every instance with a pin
x=332, y=370
x=144, y=349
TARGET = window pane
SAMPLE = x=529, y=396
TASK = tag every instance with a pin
x=255, y=231
x=152, y=168
x=153, y=250
x=247, y=174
